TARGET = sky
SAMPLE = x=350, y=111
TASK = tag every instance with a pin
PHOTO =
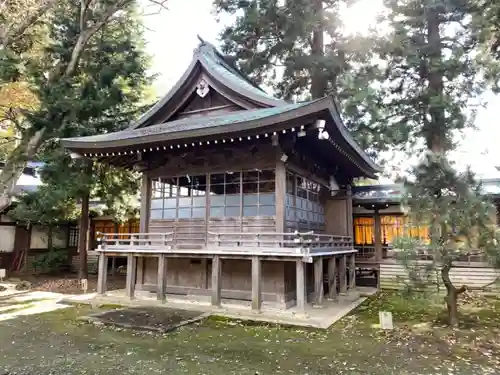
x=172, y=37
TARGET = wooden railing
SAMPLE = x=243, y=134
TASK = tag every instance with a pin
x=295, y=244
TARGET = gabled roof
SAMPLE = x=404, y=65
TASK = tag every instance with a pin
x=188, y=128
x=209, y=62
x=394, y=193
x=196, y=129
x=252, y=113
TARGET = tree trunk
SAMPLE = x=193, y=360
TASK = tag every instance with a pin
x=84, y=227
x=50, y=238
x=318, y=79
x=435, y=130
x=452, y=294
x=452, y=306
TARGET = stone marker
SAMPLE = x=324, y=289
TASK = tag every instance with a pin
x=2, y=274
x=84, y=284
x=385, y=318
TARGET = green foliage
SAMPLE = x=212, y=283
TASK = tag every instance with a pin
x=435, y=71
x=103, y=96
x=51, y=262
x=300, y=51
x=462, y=225
x=486, y=19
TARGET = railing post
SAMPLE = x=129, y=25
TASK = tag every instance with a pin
x=298, y=240
x=132, y=240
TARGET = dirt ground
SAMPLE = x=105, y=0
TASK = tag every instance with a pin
x=69, y=283
x=57, y=343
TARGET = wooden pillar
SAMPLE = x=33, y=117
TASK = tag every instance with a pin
x=162, y=278
x=342, y=274
x=256, y=283
x=113, y=266
x=378, y=236
x=144, y=222
x=301, y=285
x=131, y=274
x=102, y=273
x=332, y=278
x=113, y=259
x=352, y=272
x=280, y=194
x=318, y=281
x=350, y=223
x=216, y=280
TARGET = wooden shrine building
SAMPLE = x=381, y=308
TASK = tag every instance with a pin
x=244, y=196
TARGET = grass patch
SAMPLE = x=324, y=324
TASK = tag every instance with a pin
x=23, y=302
x=17, y=309
x=219, y=345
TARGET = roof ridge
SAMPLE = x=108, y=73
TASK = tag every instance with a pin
x=222, y=60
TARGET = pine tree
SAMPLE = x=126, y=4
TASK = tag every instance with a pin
x=53, y=73
x=298, y=48
x=104, y=97
x=486, y=18
x=435, y=69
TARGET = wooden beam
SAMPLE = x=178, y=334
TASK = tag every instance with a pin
x=350, y=223
x=352, y=272
x=162, y=278
x=256, y=283
x=342, y=274
x=318, y=281
x=280, y=194
x=301, y=285
x=378, y=235
x=131, y=274
x=146, y=187
x=332, y=278
x=113, y=266
x=102, y=273
x=216, y=280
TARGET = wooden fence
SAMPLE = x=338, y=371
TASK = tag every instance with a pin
x=476, y=276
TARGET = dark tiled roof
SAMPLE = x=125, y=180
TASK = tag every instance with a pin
x=393, y=193
x=212, y=61
x=216, y=62
x=189, y=124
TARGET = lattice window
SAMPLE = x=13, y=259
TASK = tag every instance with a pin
x=73, y=236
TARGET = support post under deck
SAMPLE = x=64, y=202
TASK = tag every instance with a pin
x=342, y=274
x=301, y=285
x=131, y=274
x=318, y=281
x=162, y=278
x=332, y=278
x=352, y=272
x=102, y=273
x=216, y=280
x=256, y=283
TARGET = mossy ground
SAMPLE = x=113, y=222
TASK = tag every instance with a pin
x=57, y=343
